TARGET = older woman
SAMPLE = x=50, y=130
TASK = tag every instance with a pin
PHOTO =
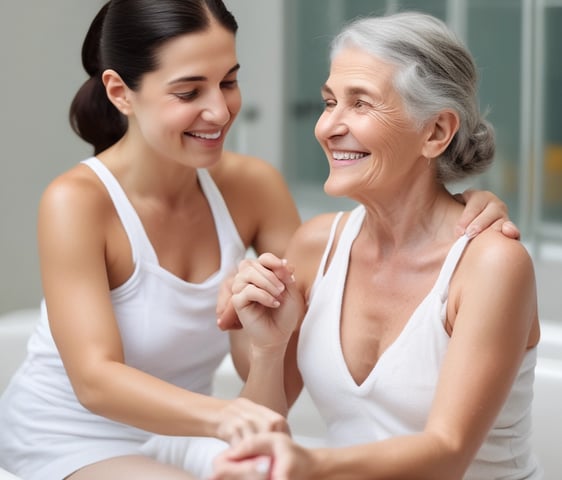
x=417, y=347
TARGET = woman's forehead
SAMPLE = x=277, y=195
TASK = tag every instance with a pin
x=359, y=69
x=213, y=48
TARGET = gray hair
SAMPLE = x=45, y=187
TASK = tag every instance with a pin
x=435, y=71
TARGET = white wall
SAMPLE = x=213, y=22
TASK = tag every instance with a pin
x=261, y=56
x=40, y=56
x=40, y=44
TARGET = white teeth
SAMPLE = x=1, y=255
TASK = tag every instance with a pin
x=207, y=136
x=347, y=155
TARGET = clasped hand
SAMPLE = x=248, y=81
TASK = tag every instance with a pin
x=267, y=301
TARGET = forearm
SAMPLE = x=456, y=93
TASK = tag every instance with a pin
x=130, y=396
x=265, y=382
x=422, y=457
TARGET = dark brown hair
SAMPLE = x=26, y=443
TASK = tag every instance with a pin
x=125, y=36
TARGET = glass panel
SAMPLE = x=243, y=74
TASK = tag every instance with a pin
x=552, y=117
x=438, y=8
x=494, y=38
x=309, y=25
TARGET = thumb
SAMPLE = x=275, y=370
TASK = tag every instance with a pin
x=228, y=319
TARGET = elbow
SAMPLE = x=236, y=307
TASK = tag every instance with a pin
x=453, y=456
x=89, y=391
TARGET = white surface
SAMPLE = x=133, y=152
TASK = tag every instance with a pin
x=547, y=403
x=4, y=475
x=15, y=329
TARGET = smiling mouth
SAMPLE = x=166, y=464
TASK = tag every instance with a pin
x=205, y=136
x=348, y=155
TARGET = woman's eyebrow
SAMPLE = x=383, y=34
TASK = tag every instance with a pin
x=201, y=78
x=349, y=92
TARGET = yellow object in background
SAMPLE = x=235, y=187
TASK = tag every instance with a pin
x=553, y=174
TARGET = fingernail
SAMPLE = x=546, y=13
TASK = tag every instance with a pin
x=472, y=231
x=263, y=465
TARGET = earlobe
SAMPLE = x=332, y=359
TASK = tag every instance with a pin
x=441, y=132
x=117, y=91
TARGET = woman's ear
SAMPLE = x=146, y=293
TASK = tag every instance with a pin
x=117, y=91
x=440, y=133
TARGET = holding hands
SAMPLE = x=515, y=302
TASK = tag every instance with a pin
x=267, y=456
x=267, y=301
x=242, y=418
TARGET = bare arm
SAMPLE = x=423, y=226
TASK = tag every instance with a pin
x=274, y=220
x=73, y=221
x=273, y=380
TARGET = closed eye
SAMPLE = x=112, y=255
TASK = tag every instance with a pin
x=228, y=84
x=361, y=104
x=329, y=103
x=186, y=96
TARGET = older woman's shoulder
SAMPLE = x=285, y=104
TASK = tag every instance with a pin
x=316, y=230
x=307, y=246
x=311, y=238
x=493, y=253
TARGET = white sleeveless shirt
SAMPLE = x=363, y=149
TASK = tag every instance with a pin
x=396, y=396
x=168, y=329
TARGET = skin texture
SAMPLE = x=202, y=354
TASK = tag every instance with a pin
x=394, y=261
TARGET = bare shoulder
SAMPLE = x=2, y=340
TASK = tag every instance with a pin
x=245, y=172
x=259, y=201
x=495, y=287
x=72, y=199
x=313, y=234
x=492, y=252
x=307, y=247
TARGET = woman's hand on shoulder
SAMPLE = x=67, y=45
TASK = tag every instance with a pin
x=484, y=210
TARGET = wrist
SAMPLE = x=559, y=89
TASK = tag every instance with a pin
x=319, y=463
x=270, y=352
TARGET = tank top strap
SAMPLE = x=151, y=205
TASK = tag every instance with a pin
x=226, y=228
x=327, y=250
x=140, y=244
x=348, y=234
x=448, y=268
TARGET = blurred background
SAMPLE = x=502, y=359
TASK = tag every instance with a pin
x=283, y=50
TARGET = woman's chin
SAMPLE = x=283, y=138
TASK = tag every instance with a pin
x=336, y=188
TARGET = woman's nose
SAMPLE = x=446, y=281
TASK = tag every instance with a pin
x=217, y=111
x=330, y=124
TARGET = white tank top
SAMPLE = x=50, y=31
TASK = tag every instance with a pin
x=396, y=397
x=168, y=329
